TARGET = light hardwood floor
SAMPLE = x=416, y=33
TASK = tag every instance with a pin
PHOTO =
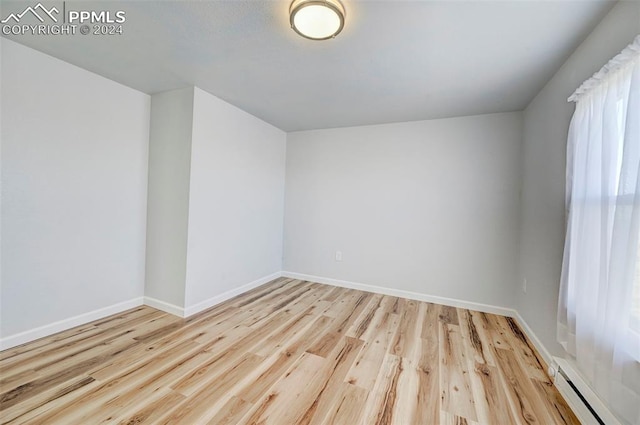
x=289, y=352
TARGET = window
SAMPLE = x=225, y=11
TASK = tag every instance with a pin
x=599, y=300
x=635, y=301
x=635, y=298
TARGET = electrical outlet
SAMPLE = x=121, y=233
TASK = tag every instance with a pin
x=524, y=285
x=338, y=255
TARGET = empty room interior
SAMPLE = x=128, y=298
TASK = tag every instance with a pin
x=348, y=212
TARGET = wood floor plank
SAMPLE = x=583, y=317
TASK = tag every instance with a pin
x=91, y=342
x=140, y=355
x=382, y=403
x=278, y=339
x=150, y=413
x=555, y=404
x=428, y=365
x=455, y=387
x=407, y=338
x=32, y=414
x=341, y=324
x=287, y=400
x=449, y=315
x=156, y=386
x=383, y=313
x=525, y=403
x=336, y=366
x=335, y=293
x=19, y=364
x=215, y=365
x=292, y=352
x=339, y=298
x=351, y=311
x=40, y=384
x=364, y=319
x=349, y=405
x=231, y=412
x=47, y=398
x=527, y=355
x=407, y=388
x=251, y=295
x=476, y=337
x=262, y=294
x=365, y=369
x=69, y=336
x=257, y=384
x=499, y=337
x=44, y=344
x=203, y=404
x=138, y=333
x=447, y=418
x=490, y=397
x=85, y=408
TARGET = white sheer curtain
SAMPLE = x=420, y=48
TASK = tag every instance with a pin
x=596, y=313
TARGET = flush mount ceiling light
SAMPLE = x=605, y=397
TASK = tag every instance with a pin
x=317, y=19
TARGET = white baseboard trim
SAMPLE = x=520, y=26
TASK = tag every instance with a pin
x=208, y=303
x=546, y=355
x=82, y=319
x=65, y=324
x=485, y=308
x=164, y=306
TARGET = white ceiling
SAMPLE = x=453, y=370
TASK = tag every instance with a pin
x=394, y=61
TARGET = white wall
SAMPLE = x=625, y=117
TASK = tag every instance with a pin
x=74, y=176
x=546, y=122
x=430, y=207
x=168, y=195
x=236, y=199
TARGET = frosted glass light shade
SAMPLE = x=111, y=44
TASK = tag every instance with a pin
x=317, y=19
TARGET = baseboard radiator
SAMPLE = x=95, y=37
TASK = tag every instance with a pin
x=585, y=403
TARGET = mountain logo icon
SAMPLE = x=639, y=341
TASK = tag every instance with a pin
x=38, y=11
